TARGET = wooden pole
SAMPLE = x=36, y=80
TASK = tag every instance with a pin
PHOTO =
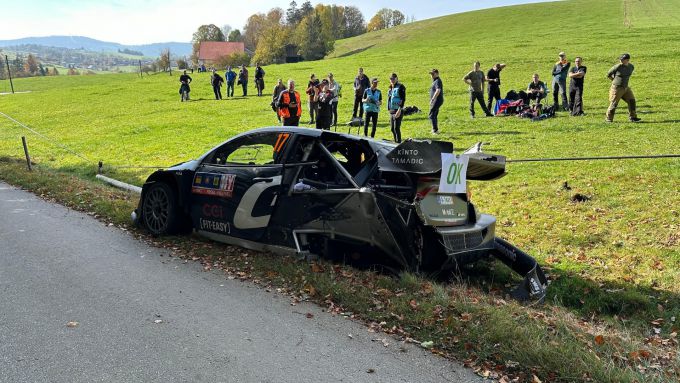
x=9, y=73
x=140, y=68
x=28, y=158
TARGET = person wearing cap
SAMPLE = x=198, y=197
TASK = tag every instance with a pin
x=436, y=99
x=335, y=88
x=577, y=75
x=323, y=98
x=395, y=104
x=620, y=74
x=559, y=82
x=493, y=77
x=361, y=83
x=289, y=105
x=475, y=79
x=372, y=100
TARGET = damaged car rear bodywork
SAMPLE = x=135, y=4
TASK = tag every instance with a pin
x=310, y=192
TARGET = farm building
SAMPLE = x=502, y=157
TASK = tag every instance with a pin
x=211, y=51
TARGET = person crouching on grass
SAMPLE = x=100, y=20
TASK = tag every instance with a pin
x=289, y=105
x=323, y=98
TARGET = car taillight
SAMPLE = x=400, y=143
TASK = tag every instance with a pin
x=421, y=194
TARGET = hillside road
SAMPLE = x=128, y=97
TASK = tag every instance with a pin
x=143, y=316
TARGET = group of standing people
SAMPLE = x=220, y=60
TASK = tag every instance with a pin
x=324, y=96
x=231, y=78
x=537, y=90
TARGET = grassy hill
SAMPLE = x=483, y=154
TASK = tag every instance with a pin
x=614, y=259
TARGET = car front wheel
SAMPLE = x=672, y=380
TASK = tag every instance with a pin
x=160, y=210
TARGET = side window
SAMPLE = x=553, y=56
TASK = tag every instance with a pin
x=254, y=149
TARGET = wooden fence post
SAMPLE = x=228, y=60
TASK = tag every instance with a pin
x=28, y=158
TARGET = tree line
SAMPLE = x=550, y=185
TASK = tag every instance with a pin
x=28, y=67
x=305, y=31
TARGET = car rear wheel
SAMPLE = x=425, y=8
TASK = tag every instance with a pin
x=160, y=210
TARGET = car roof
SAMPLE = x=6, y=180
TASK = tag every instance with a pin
x=309, y=132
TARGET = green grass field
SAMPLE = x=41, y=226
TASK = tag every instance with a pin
x=614, y=260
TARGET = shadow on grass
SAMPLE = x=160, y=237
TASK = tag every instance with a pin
x=491, y=133
x=356, y=51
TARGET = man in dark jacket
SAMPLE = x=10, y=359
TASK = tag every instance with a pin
x=311, y=89
x=280, y=87
x=216, y=81
x=493, y=76
x=361, y=83
x=436, y=99
x=243, y=79
x=577, y=75
x=395, y=105
x=559, y=83
x=259, y=79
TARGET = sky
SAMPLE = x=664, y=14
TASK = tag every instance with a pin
x=135, y=22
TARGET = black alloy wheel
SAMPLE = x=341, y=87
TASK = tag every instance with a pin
x=159, y=210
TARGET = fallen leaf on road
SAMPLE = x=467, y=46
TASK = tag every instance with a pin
x=72, y=324
x=370, y=371
x=310, y=315
x=427, y=344
x=158, y=321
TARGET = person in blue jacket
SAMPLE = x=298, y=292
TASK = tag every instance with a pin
x=372, y=100
x=230, y=75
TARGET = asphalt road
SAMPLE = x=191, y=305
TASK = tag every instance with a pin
x=59, y=266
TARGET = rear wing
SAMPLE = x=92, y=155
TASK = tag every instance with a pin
x=424, y=157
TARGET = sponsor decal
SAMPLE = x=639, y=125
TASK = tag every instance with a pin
x=214, y=184
x=454, y=169
x=215, y=226
x=212, y=211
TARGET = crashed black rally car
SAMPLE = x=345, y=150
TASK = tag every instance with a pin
x=312, y=192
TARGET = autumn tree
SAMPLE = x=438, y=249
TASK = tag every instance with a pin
x=386, y=18
x=206, y=32
x=164, y=60
x=251, y=31
x=272, y=39
x=182, y=64
x=31, y=65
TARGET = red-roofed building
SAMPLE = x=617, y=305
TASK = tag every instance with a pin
x=211, y=51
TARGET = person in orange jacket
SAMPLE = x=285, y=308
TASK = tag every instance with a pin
x=289, y=105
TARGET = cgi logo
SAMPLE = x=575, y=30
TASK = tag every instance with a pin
x=213, y=211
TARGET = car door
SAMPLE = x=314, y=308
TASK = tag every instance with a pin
x=235, y=189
